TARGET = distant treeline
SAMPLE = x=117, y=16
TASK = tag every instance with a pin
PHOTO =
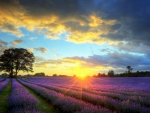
x=135, y=74
x=110, y=73
x=126, y=74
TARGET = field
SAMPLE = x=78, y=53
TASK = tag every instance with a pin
x=74, y=95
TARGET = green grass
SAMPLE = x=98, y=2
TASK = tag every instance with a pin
x=43, y=105
x=4, y=98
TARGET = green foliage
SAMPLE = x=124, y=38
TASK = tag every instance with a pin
x=15, y=59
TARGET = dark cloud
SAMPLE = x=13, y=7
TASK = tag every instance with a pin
x=133, y=47
x=63, y=7
x=132, y=19
x=11, y=3
x=69, y=12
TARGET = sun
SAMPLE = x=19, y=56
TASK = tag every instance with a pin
x=82, y=76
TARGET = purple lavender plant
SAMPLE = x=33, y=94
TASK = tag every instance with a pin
x=122, y=95
x=64, y=103
x=20, y=100
x=3, y=84
x=2, y=79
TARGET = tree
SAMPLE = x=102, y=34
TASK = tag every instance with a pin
x=39, y=74
x=129, y=69
x=111, y=73
x=14, y=60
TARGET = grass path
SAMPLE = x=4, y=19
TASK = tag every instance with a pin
x=4, y=98
x=43, y=105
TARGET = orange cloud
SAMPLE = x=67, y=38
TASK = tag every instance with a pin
x=10, y=17
x=81, y=28
x=96, y=28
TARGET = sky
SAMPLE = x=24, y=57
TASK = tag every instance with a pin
x=75, y=37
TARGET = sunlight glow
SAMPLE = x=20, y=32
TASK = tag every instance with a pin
x=82, y=76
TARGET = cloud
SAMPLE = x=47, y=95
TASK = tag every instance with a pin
x=115, y=60
x=98, y=62
x=3, y=46
x=12, y=29
x=39, y=59
x=31, y=50
x=3, y=43
x=11, y=12
x=95, y=21
x=132, y=24
x=53, y=20
x=90, y=31
x=129, y=47
x=16, y=42
x=87, y=21
x=41, y=49
x=33, y=38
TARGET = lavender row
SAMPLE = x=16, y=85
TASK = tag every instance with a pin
x=52, y=80
x=125, y=91
x=2, y=79
x=139, y=92
x=139, y=96
x=101, y=83
x=144, y=101
x=3, y=84
x=64, y=103
x=134, y=99
x=108, y=94
x=20, y=100
x=121, y=93
x=124, y=106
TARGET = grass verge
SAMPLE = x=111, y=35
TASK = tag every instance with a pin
x=4, y=98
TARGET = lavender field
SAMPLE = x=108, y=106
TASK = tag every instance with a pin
x=73, y=95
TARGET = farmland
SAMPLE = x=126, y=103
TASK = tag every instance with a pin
x=74, y=95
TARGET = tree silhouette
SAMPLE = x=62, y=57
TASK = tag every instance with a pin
x=111, y=73
x=129, y=69
x=14, y=60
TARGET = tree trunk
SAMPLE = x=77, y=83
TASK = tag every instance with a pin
x=15, y=76
x=11, y=74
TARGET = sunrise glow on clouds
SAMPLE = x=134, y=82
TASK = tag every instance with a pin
x=78, y=36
